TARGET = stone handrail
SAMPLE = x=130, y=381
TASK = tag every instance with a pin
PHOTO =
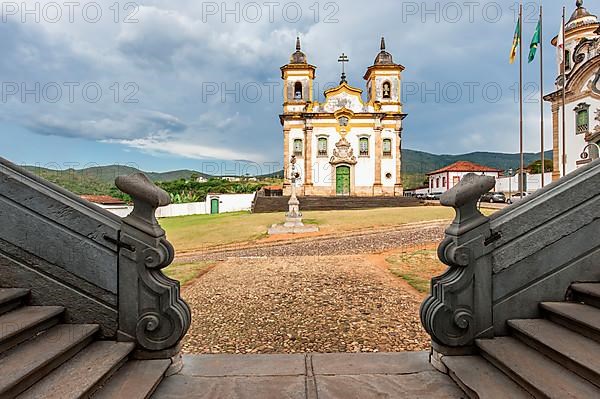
x=458, y=310
x=105, y=270
x=151, y=311
x=502, y=267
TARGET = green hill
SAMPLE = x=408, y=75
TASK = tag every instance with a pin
x=415, y=165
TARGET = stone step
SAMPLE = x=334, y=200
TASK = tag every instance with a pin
x=12, y=298
x=83, y=374
x=568, y=348
x=582, y=319
x=279, y=204
x=29, y=362
x=135, y=380
x=23, y=323
x=536, y=373
x=479, y=379
x=588, y=293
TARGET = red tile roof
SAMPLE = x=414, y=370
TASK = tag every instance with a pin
x=464, y=166
x=103, y=199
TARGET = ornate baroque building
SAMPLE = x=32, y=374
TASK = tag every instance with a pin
x=582, y=44
x=345, y=145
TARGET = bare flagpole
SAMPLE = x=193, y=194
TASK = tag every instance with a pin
x=542, y=94
x=564, y=97
x=521, y=185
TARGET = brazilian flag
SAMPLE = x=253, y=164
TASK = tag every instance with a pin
x=516, y=42
x=535, y=42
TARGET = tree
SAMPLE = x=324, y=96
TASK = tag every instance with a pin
x=536, y=167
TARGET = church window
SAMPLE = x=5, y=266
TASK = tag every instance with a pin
x=582, y=118
x=363, y=147
x=387, y=147
x=298, y=147
x=567, y=60
x=298, y=91
x=322, y=147
x=387, y=90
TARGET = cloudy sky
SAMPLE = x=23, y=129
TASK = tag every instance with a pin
x=164, y=85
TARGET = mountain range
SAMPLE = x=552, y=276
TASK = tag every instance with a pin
x=415, y=165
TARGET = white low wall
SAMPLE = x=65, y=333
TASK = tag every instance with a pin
x=534, y=183
x=174, y=210
x=227, y=203
x=231, y=202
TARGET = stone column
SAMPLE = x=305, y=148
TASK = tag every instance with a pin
x=555, y=140
x=377, y=187
x=398, y=187
x=286, y=157
x=308, y=172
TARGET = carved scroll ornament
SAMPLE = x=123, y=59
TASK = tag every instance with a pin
x=151, y=310
x=450, y=314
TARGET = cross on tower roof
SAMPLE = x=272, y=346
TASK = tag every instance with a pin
x=343, y=59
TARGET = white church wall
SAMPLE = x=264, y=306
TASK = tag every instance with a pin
x=297, y=134
x=365, y=168
x=575, y=142
x=388, y=164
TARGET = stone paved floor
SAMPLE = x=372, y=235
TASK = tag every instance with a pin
x=303, y=305
x=371, y=241
x=308, y=376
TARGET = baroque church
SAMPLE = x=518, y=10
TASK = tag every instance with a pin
x=345, y=145
x=582, y=94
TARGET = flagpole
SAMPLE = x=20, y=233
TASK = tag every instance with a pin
x=564, y=97
x=521, y=185
x=542, y=94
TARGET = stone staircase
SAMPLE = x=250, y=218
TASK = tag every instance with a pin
x=557, y=356
x=310, y=203
x=40, y=356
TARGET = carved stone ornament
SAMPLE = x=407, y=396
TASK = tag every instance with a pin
x=343, y=153
x=151, y=310
x=594, y=85
x=457, y=312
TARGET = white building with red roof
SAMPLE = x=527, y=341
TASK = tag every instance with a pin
x=444, y=179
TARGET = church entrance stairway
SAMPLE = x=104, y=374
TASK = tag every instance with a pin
x=280, y=204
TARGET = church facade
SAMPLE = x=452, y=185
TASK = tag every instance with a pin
x=345, y=145
x=582, y=95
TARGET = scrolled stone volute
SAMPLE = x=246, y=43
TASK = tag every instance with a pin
x=147, y=197
x=151, y=311
x=458, y=311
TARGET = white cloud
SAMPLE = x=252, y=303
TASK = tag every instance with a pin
x=165, y=144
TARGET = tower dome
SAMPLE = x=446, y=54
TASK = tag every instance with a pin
x=384, y=58
x=581, y=17
x=298, y=57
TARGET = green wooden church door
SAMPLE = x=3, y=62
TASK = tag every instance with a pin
x=342, y=180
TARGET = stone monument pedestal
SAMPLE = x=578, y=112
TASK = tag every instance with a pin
x=293, y=219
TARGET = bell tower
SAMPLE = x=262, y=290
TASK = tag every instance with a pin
x=298, y=76
x=384, y=82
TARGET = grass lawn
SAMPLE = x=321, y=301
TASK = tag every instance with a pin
x=201, y=232
x=417, y=266
x=186, y=273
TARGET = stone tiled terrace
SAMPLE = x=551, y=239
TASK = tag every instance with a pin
x=309, y=376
